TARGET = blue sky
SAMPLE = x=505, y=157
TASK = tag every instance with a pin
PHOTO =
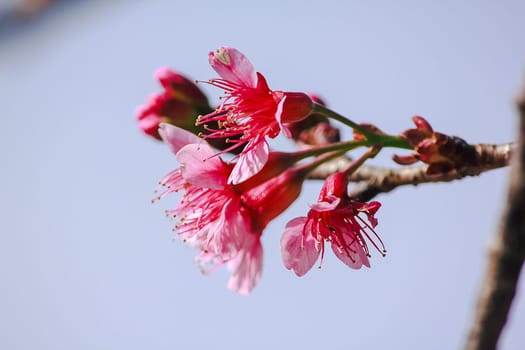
x=89, y=262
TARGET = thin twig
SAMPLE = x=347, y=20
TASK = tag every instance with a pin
x=375, y=180
x=506, y=256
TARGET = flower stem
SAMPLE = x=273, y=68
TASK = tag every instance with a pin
x=307, y=168
x=339, y=146
x=336, y=116
x=371, y=137
x=388, y=141
x=371, y=153
x=379, y=141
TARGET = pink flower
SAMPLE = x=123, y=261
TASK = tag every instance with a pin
x=223, y=221
x=179, y=104
x=250, y=111
x=336, y=219
x=246, y=267
x=210, y=213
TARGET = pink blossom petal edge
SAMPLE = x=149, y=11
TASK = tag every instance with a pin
x=251, y=162
x=247, y=266
x=278, y=117
x=354, y=257
x=227, y=236
x=330, y=203
x=201, y=168
x=299, y=251
x=176, y=138
x=162, y=72
x=232, y=65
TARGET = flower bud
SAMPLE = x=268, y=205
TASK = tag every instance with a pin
x=441, y=152
x=181, y=87
x=179, y=104
x=293, y=106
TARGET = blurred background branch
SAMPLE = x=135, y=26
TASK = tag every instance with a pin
x=17, y=16
x=506, y=255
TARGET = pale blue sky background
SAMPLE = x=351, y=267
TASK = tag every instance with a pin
x=87, y=262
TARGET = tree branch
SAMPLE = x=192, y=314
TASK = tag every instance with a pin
x=506, y=256
x=374, y=180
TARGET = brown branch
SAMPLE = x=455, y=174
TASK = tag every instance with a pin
x=506, y=256
x=375, y=180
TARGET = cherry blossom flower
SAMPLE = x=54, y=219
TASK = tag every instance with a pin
x=335, y=219
x=250, y=111
x=224, y=221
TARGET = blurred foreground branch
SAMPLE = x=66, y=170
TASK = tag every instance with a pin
x=506, y=256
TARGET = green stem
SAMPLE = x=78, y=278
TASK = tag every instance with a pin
x=380, y=140
x=339, y=146
x=388, y=141
x=371, y=137
x=336, y=116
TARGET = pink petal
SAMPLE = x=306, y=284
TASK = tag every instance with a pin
x=165, y=75
x=330, y=202
x=262, y=84
x=279, y=114
x=355, y=257
x=208, y=262
x=286, y=130
x=176, y=138
x=369, y=209
x=298, y=248
x=232, y=65
x=201, y=168
x=250, y=162
x=149, y=123
x=247, y=266
x=230, y=233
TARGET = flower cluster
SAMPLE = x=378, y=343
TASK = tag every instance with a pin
x=226, y=205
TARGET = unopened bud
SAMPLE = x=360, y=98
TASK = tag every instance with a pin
x=293, y=106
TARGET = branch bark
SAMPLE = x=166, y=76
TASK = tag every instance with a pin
x=506, y=256
x=374, y=180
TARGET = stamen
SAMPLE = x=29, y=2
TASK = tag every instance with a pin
x=382, y=251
